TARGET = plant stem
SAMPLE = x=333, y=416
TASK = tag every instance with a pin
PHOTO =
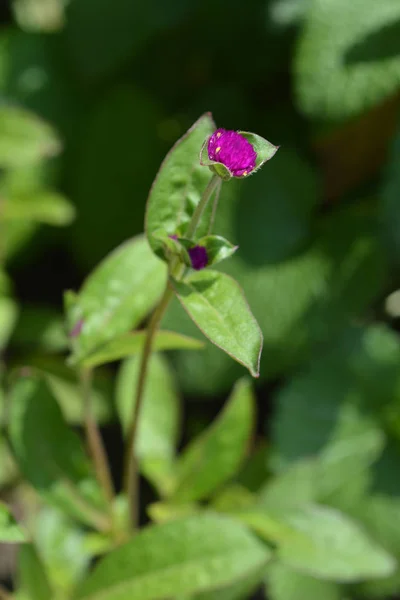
x=212, y=185
x=131, y=479
x=95, y=442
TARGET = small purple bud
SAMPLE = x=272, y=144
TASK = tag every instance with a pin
x=76, y=329
x=232, y=150
x=198, y=257
x=173, y=237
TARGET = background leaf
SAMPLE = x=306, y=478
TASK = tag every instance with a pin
x=48, y=453
x=159, y=419
x=285, y=584
x=345, y=62
x=186, y=556
x=24, y=138
x=216, y=455
x=32, y=577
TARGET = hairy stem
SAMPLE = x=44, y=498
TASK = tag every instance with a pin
x=208, y=192
x=131, y=479
x=94, y=440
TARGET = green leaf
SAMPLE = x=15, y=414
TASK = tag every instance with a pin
x=66, y=389
x=216, y=455
x=348, y=58
x=215, y=302
x=62, y=547
x=241, y=590
x=32, y=577
x=181, y=557
x=285, y=584
x=380, y=516
x=116, y=297
x=10, y=531
x=159, y=417
x=24, y=138
x=132, y=343
x=178, y=186
x=8, y=318
x=40, y=207
x=325, y=543
x=359, y=370
x=48, y=453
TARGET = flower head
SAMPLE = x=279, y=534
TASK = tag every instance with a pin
x=231, y=149
x=198, y=257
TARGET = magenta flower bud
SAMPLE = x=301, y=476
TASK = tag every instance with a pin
x=198, y=257
x=232, y=150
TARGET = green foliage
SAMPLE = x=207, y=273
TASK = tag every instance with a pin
x=33, y=582
x=303, y=506
x=116, y=296
x=178, y=186
x=25, y=139
x=9, y=530
x=348, y=59
x=48, y=453
x=132, y=343
x=159, y=419
x=182, y=557
x=217, y=453
x=209, y=298
x=286, y=584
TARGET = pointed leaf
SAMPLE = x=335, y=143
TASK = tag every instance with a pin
x=180, y=557
x=116, y=296
x=216, y=455
x=129, y=344
x=179, y=185
x=49, y=454
x=24, y=138
x=216, y=304
x=10, y=531
x=159, y=417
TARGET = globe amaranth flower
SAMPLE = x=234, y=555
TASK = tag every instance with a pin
x=233, y=151
x=198, y=257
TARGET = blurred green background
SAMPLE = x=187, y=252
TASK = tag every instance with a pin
x=318, y=228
